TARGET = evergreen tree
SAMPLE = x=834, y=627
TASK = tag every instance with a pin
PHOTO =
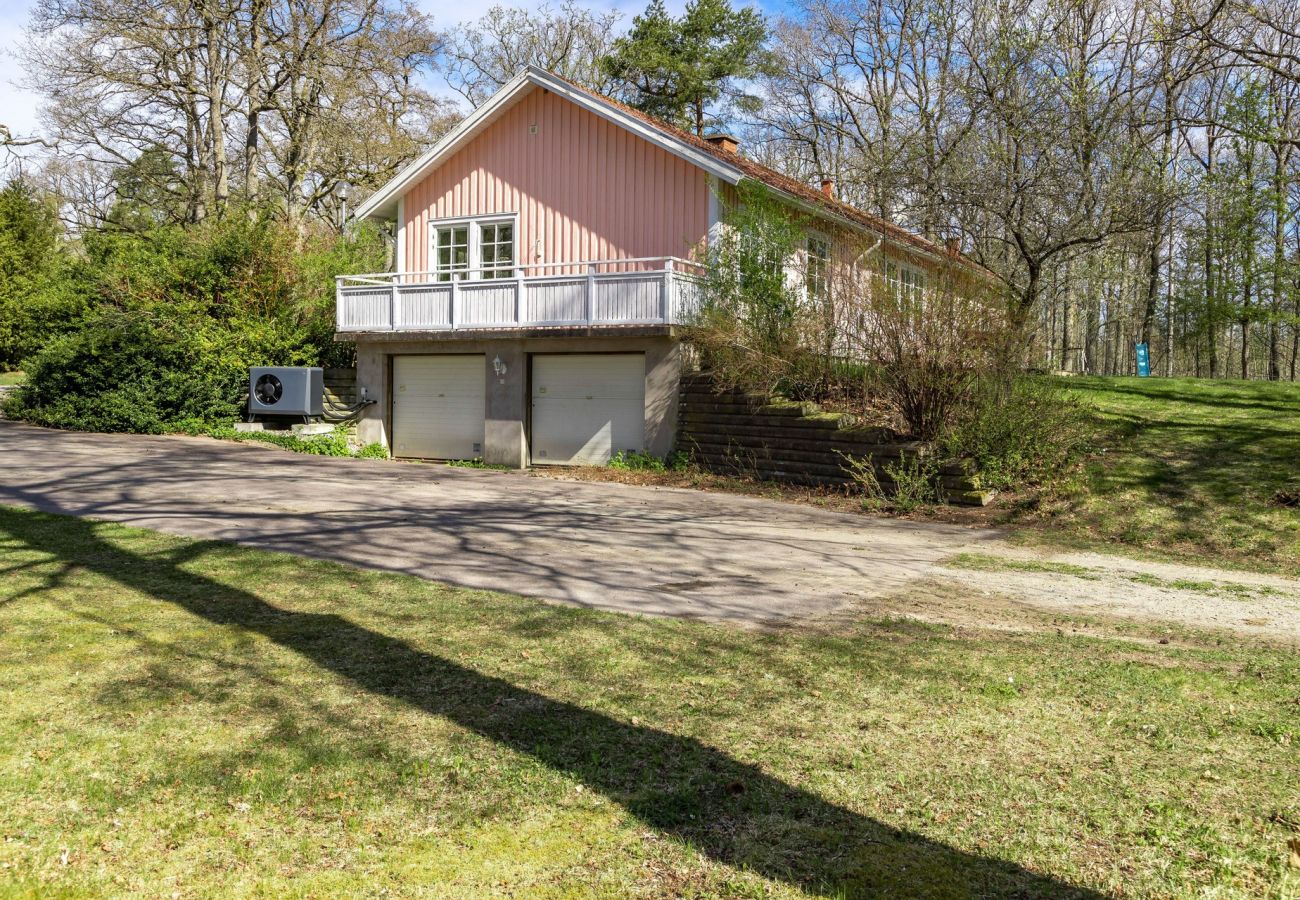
x=680, y=70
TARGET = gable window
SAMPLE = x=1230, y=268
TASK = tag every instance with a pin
x=474, y=249
x=817, y=274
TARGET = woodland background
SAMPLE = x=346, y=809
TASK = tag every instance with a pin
x=1127, y=168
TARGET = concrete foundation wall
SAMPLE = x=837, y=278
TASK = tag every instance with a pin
x=506, y=371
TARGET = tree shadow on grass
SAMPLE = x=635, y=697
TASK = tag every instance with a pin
x=730, y=811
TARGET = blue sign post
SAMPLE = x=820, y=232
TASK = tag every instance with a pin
x=1143, y=360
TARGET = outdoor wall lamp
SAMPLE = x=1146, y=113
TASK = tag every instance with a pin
x=498, y=366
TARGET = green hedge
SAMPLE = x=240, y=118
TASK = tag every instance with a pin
x=124, y=372
x=159, y=327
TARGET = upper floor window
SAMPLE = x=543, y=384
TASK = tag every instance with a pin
x=474, y=249
x=451, y=251
x=817, y=273
x=497, y=249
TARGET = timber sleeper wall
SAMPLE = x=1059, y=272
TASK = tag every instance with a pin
x=732, y=432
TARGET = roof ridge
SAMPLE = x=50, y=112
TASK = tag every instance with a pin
x=776, y=179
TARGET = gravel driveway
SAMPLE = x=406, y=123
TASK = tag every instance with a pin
x=644, y=550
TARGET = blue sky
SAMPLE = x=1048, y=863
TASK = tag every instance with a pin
x=19, y=108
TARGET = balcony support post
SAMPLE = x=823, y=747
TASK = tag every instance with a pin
x=667, y=300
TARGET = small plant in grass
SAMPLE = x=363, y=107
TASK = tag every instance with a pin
x=637, y=461
x=335, y=443
x=475, y=463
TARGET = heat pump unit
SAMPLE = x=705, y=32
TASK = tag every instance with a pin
x=285, y=391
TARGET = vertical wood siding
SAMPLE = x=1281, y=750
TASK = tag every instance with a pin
x=583, y=188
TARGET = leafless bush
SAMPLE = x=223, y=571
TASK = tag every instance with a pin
x=927, y=349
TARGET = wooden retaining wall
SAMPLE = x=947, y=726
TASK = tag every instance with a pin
x=733, y=432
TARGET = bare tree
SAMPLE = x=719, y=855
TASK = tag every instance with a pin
x=481, y=56
x=308, y=95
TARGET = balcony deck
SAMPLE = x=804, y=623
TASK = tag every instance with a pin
x=600, y=293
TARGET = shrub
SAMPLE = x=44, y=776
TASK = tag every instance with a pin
x=749, y=328
x=913, y=482
x=1021, y=431
x=124, y=372
x=164, y=323
x=373, y=451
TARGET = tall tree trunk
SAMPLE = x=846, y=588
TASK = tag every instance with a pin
x=1066, y=302
x=1211, y=298
x=1281, y=154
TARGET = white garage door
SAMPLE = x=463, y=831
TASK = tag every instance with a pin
x=438, y=406
x=587, y=407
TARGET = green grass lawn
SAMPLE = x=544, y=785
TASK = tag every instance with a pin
x=12, y=378
x=1191, y=469
x=184, y=718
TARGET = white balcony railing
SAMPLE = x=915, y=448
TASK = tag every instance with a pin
x=653, y=291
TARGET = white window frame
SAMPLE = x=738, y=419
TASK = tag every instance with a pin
x=474, y=258
x=906, y=280
x=820, y=238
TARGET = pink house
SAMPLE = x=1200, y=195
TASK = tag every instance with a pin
x=544, y=266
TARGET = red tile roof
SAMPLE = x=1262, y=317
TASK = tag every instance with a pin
x=772, y=178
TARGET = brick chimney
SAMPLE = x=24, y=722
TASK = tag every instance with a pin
x=724, y=142
x=953, y=244
x=828, y=186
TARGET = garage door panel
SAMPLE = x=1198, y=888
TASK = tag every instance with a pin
x=438, y=406
x=587, y=407
x=582, y=377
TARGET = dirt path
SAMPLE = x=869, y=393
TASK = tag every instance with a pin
x=1005, y=586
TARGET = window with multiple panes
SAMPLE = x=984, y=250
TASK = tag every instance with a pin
x=451, y=252
x=474, y=249
x=817, y=273
x=912, y=281
x=496, y=250
x=905, y=281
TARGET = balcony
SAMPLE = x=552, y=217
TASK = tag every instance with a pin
x=650, y=291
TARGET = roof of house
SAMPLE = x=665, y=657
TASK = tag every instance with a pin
x=728, y=165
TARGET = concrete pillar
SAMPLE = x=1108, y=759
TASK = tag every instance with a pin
x=663, y=370
x=504, y=441
x=372, y=378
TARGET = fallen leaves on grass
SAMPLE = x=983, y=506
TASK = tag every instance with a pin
x=1288, y=498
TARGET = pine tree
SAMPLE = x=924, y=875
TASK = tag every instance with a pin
x=679, y=70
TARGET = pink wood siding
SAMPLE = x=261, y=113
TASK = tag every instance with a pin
x=583, y=187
